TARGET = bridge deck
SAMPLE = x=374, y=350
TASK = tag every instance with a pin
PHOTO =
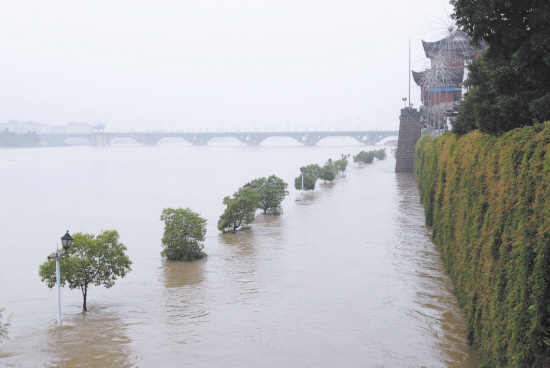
x=201, y=138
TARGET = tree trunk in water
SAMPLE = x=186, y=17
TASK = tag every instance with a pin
x=84, y=293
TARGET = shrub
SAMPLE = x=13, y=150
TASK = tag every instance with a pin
x=184, y=232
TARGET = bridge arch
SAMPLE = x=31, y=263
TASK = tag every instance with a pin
x=136, y=138
x=172, y=140
x=272, y=138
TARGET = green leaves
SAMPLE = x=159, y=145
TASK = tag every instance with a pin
x=328, y=172
x=240, y=209
x=488, y=200
x=184, y=232
x=309, y=182
x=4, y=327
x=272, y=192
x=91, y=260
x=509, y=86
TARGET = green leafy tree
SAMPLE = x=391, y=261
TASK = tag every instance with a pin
x=184, y=232
x=327, y=173
x=240, y=209
x=341, y=165
x=91, y=260
x=272, y=191
x=4, y=327
x=380, y=154
x=364, y=157
x=509, y=86
x=313, y=171
x=309, y=182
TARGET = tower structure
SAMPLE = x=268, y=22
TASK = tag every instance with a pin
x=441, y=84
x=98, y=135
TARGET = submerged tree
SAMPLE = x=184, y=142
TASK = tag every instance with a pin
x=313, y=171
x=309, y=182
x=380, y=154
x=272, y=191
x=4, y=327
x=240, y=209
x=328, y=172
x=91, y=260
x=364, y=157
x=184, y=232
x=341, y=165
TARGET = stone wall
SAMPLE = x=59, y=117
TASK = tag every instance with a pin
x=410, y=130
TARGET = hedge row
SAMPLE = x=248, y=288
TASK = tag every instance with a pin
x=488, y=200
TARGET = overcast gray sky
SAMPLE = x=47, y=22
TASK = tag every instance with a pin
x=237, y=64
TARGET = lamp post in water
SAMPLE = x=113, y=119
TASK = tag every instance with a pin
x=66, y=241
x=302, y=169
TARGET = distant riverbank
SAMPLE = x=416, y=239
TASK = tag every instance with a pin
x=11, y=140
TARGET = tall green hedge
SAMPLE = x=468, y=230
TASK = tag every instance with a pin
x=488, y=200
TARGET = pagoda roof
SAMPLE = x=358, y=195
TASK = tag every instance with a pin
x=456, y=42
x=436, y=78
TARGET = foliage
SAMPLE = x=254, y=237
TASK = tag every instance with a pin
x=272, y=192
x=240, y=209
x=4, y=327
x=313, y=171
x=91, y=260
x=11, y=139
x=510, y=84
x=309, y=182
x=184, y=232
x=380, y=154
x=365, y=157
x=488, y=200
x=327, y=172
x=341, y=165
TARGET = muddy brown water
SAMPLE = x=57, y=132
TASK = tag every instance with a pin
x=346, y=277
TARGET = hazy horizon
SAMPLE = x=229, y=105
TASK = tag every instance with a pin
x=212, y=65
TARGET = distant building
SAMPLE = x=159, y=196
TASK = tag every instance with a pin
x=30, y=126
x=441, y=84
x=75, y=127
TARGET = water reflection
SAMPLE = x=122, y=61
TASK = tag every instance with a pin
x=96, y=338
x=177, y=274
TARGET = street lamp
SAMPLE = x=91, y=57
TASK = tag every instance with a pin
x=302, y=169
x=66, y=241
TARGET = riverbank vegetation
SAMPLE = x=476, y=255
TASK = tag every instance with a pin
x=91, y=260
x=488, y=200
x=11, y=139
x=184, y=232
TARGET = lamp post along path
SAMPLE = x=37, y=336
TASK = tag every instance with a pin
x=66, y=241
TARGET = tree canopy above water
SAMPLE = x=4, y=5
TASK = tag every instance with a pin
x=510, y=84
x=91, y=260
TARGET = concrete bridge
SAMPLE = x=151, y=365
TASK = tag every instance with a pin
x=308, y=138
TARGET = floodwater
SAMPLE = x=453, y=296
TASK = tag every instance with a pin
x=346, y=277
